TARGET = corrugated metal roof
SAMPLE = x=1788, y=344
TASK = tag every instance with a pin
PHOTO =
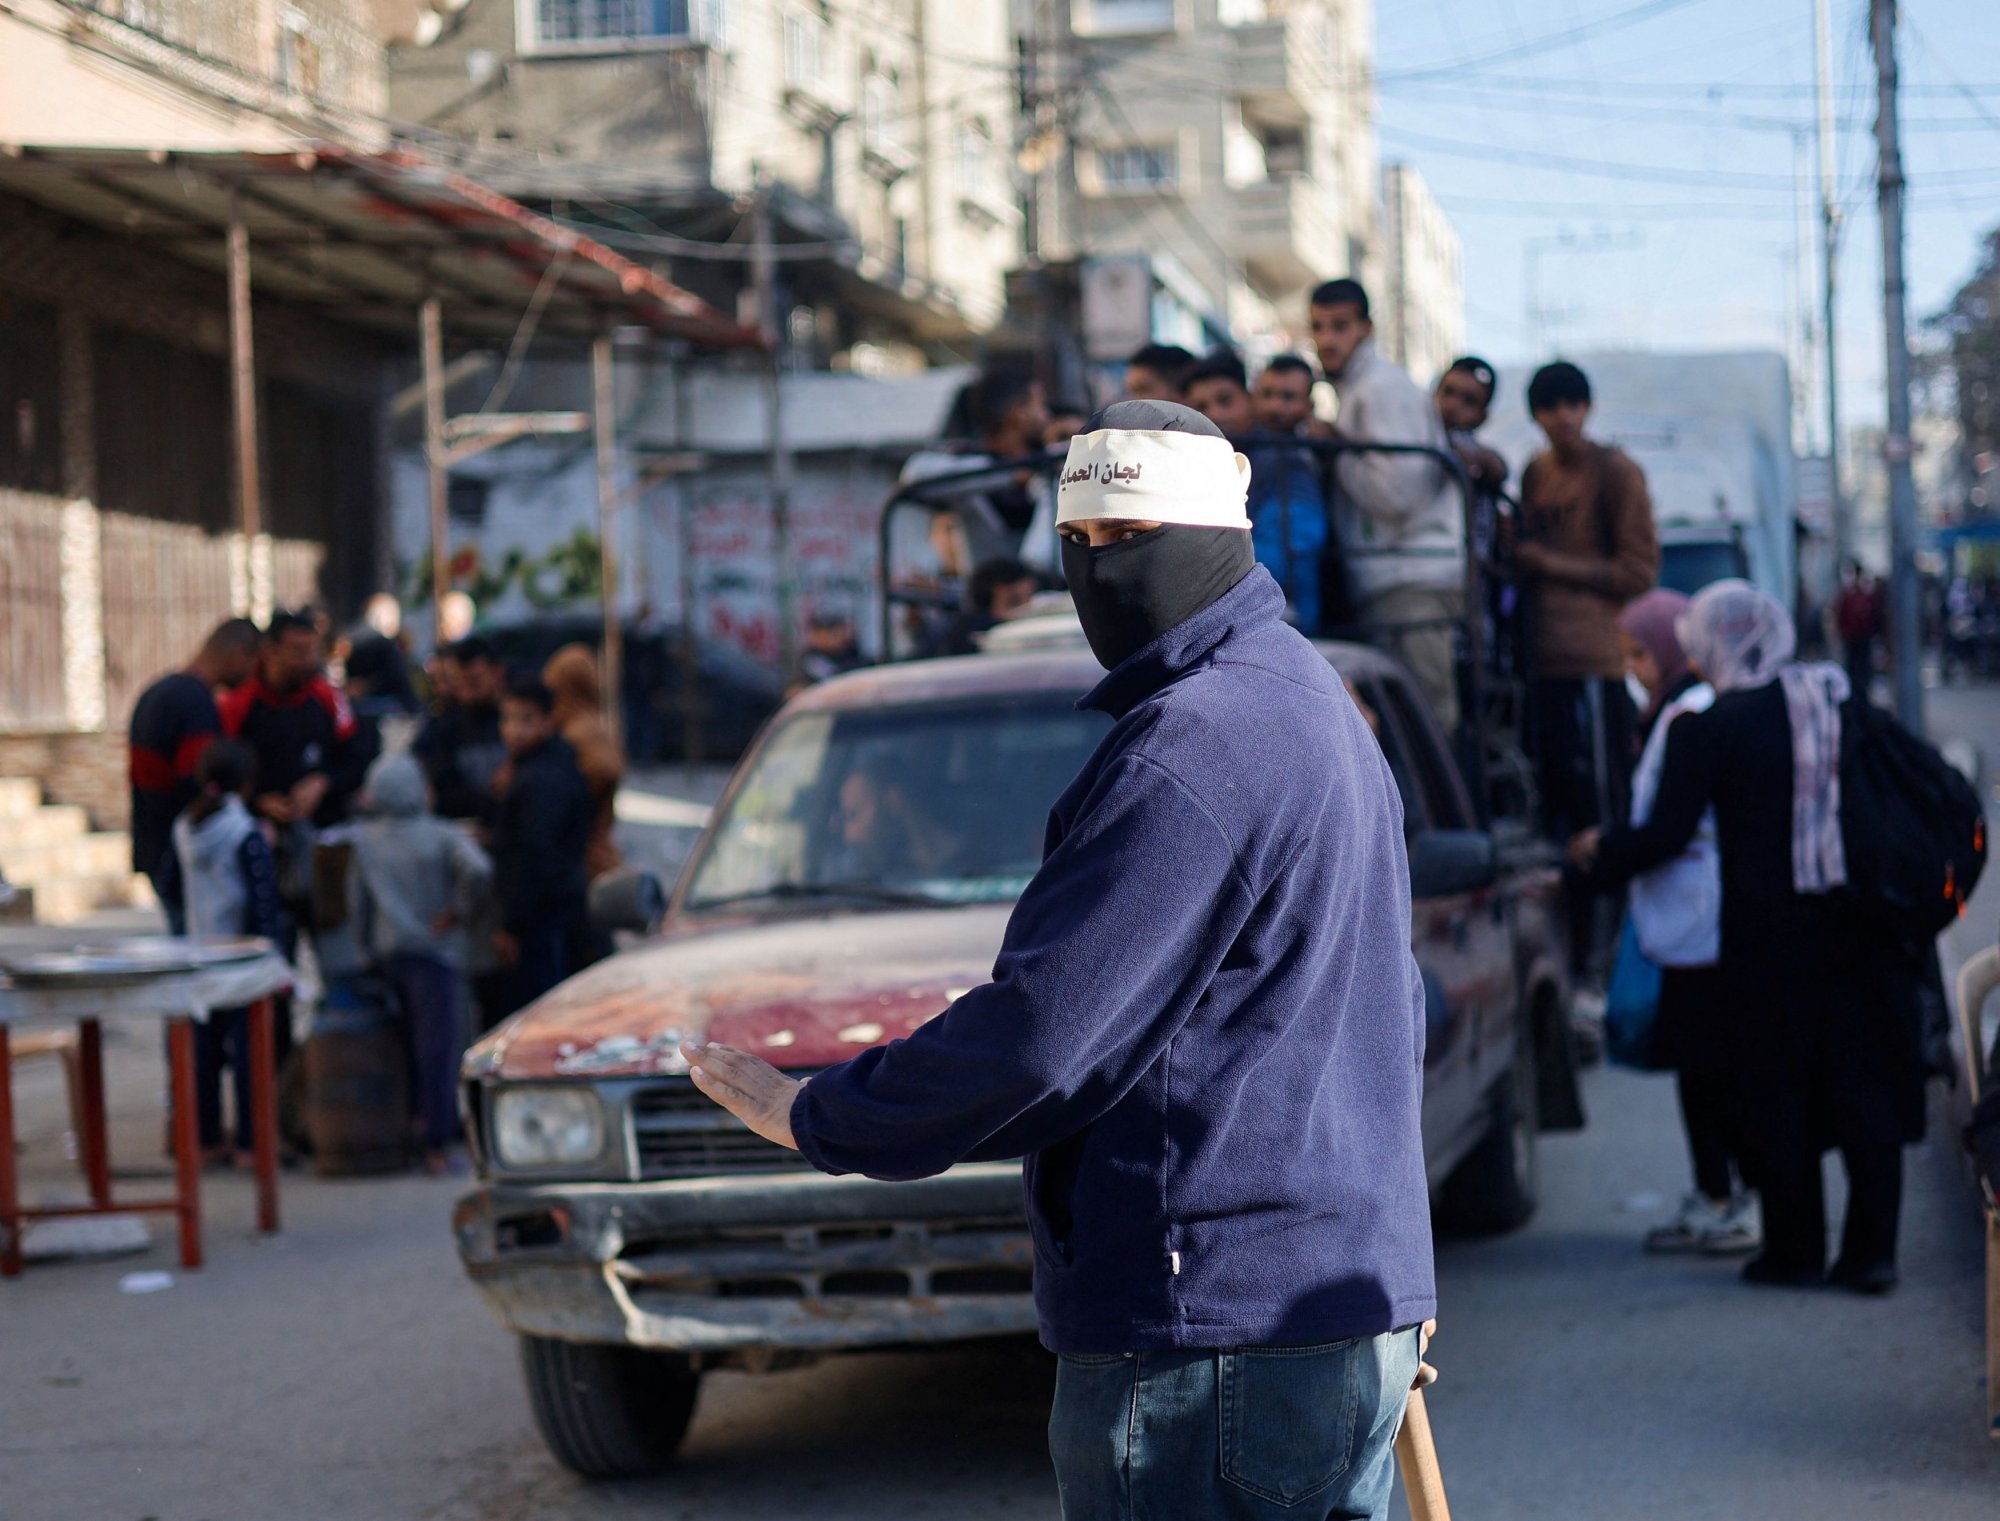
x=366, y=237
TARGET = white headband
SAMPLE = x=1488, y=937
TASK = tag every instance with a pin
x=1189, y=478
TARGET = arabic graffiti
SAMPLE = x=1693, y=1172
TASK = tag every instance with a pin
x=1109, y=473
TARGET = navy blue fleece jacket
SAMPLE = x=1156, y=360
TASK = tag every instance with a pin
x=1205, y=1027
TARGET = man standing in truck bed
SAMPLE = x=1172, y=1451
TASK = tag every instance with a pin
x=1204, y=1032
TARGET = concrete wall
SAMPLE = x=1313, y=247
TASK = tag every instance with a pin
x=1268, y=108
x=689, y=125
x=136, y=76
x=703, y=540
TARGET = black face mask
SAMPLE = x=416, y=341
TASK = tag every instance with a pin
x=1128, y=594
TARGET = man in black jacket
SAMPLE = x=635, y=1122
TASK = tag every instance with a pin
x=460, y=747
x=540, y=831
x=311, y=755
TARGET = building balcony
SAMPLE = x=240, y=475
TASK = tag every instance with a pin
x=1287, y=232
x=1282, y=65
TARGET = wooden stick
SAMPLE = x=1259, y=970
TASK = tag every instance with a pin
x=1416, y=1457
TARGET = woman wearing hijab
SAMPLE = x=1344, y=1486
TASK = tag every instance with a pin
x=1675, y=913
x=1819, y=1050
x=571, y=675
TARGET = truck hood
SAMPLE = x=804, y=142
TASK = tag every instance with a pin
x=801, y=992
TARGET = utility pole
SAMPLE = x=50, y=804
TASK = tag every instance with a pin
x=764, y=279
x=430, y=327
x=1904, y=625
x=1829, y=246
x=604, y=425
x=256, y=600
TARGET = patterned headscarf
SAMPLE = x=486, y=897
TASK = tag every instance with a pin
x=1738, y=635
x=1742, y=638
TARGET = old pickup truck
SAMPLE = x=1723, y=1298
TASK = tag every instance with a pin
x=855, y=879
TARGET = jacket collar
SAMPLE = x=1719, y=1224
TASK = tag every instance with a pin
x=1359, y=364
x=1253, y=601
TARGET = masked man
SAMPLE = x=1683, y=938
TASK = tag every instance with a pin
x=1204, y=1032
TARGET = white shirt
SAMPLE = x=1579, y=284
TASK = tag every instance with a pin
x=1677, y=906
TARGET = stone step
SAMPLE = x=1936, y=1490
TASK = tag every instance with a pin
x=89, y=855
x=47, y=825
x=19, y=795
x=68, y=899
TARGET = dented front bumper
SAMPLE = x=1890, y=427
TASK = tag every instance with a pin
x=783, y=1262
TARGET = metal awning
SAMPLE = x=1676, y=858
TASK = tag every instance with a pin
x=368, y=237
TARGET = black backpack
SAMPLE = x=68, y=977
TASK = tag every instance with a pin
x=1913, y=827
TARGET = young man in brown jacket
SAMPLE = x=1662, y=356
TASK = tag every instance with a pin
x=1586, y=546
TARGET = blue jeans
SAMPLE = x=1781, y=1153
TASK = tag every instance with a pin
x=1247, y=1433
x=431, y=995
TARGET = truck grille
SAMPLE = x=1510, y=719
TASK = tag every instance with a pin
x=679, y=1132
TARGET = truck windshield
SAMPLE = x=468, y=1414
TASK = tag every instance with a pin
x=940, y=803
x=1688, y=566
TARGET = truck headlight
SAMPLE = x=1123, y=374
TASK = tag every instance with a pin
x=534, y=1126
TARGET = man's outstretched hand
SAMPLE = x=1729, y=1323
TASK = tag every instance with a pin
x=749, y=1087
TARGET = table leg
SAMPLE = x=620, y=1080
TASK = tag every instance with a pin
x=264, y=1110
x=95, y=1140
x=10, y=1193
x=187, y=1142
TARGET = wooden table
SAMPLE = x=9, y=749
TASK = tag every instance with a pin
x=178, y=997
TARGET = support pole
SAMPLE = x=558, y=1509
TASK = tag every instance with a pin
x=431, y=324
x=603, y=403
x=1829, y=248
x=688, y=653
x=1905, y=625
x=764, y=275
x=243, y=399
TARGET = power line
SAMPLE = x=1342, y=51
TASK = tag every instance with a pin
x=1531, y=84
x=1549, y=43
x=1665, y=174
x=1990, y=118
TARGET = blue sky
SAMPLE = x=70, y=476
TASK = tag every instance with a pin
x=1633, y=162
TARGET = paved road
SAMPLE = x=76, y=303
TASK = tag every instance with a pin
x=344, y=1372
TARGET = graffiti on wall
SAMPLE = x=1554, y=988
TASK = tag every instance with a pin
x=736, y=579
x=567, y=573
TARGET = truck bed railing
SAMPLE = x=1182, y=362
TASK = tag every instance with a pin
x=1492, y=690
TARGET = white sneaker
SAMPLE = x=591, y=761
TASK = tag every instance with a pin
x=1740, y=1230
x=1689, y=1229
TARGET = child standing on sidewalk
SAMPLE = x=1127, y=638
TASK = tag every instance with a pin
x=229, y=878
x=416, y=880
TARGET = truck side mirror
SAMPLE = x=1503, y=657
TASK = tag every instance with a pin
x=1445, y=863
x=627, y=899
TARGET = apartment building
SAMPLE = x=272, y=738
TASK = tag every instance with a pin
x=1420, y=316
x=878, y=134
x=1232, y=143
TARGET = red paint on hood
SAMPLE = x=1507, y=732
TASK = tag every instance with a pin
x=801, y=992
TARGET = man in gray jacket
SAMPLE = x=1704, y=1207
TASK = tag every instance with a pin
x=1401, y=518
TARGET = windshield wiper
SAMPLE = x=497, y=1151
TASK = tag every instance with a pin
x=873, y=892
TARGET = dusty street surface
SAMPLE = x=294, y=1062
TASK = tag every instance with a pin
x=343, y=1371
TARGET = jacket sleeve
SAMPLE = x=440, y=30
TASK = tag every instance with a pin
x=1632, y=564
x=353, y=750
x=471, y=873
x=1392, y=489
x=1687, y=780
x=1106, y=955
